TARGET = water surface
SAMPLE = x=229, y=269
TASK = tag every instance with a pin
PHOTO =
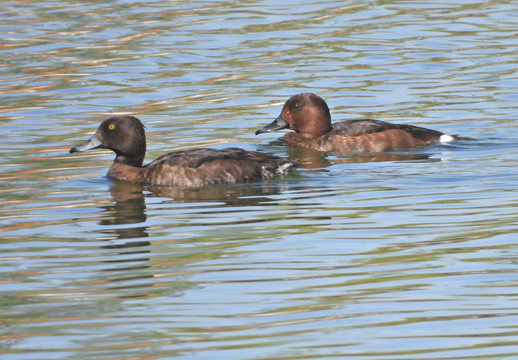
x=408, y=255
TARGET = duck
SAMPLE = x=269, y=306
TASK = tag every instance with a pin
x=308, y=115
x=125, y=135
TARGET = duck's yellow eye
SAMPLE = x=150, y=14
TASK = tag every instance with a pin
x=111, y=126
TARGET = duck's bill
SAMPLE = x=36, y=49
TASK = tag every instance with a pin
x=93, y=143
x=277, y=124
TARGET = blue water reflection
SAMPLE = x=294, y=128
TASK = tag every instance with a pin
x=399, y=255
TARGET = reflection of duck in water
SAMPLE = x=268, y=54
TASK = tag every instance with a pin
x=130, y=202
x=126, y=194
x=319, y=161
x=129, y=208
x=125, y=219
x=197, y=167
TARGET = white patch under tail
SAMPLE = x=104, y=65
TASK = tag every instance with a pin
x=446, y=138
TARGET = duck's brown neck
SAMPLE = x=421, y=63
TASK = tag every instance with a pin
x=135, y=161
x=299, y=139
x=323, y=128
x=315, y=126
x=125, y=172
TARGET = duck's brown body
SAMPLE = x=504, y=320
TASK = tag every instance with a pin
x=198, y=167
x=308, y=115
x=366, y=135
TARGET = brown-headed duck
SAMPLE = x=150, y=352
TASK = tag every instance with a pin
x=197, y=167
x=308, y=115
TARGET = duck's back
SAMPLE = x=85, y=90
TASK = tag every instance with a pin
x=359, y=127
x=198, y=167
x=368, y=135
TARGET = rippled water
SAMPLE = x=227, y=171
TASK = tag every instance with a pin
x=396, y=256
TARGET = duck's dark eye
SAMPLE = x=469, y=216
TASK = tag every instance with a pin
x=111, y=126
x=297, y=105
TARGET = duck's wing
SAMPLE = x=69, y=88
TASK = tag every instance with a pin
x=198, y=167
x=194, y=158
x=357, y=127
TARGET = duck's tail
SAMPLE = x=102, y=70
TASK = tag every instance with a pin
x=445, y=138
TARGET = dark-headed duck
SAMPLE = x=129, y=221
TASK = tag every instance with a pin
x=197, y=167
x=309, y=117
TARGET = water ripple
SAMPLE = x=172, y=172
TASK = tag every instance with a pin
x=367, y=256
